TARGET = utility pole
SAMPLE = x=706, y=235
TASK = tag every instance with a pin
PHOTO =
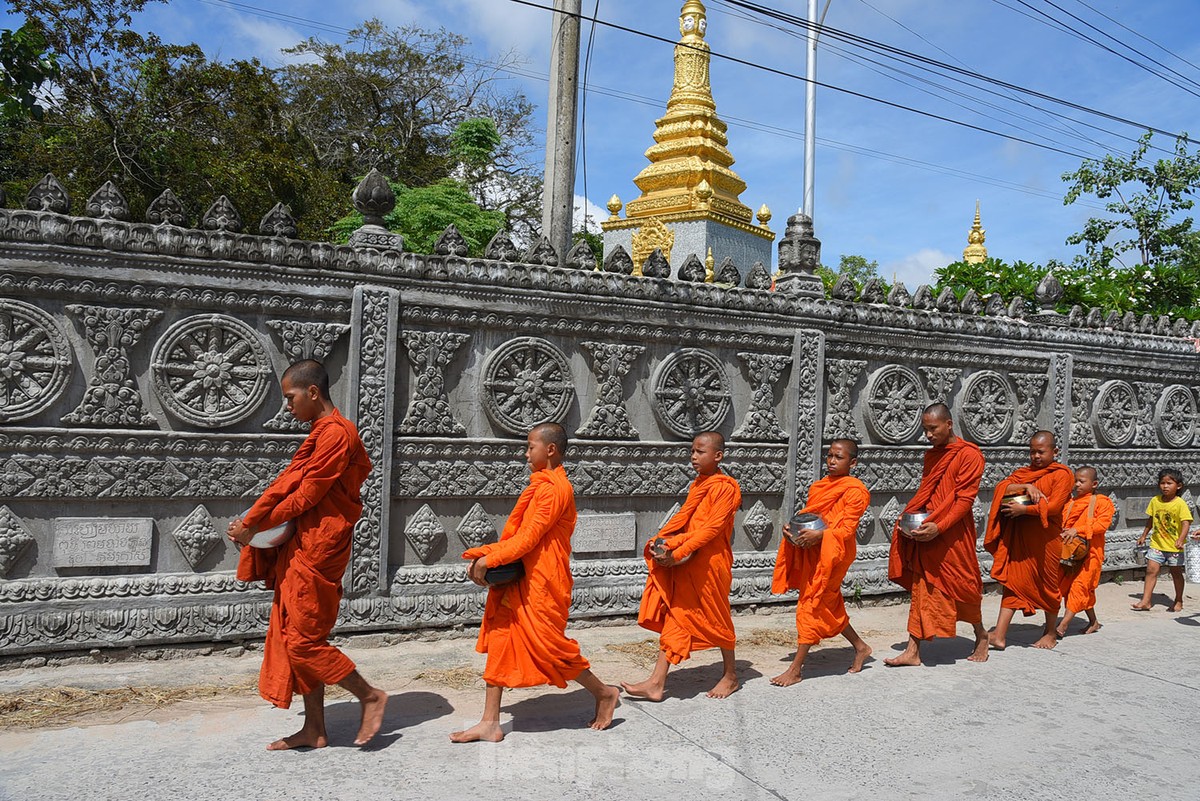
x=558, y=188
x=810, y=108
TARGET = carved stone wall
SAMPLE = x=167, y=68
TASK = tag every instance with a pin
x=139, y=367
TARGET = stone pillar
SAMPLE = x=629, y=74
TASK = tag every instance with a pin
x=799, y=255
x=807, y=391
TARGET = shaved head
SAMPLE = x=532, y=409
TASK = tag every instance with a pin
x=1044, y=435
x=551, y=434
x=938, y=411
x=1088, y=472
x=714, y=438
x=308, y=373
x=850, y=445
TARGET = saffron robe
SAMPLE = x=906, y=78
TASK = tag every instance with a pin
x=1079, y=585
x=1026, y=549
x=320, y=492
x=524, y=623
x=942, y=574
x=688, y=604
x=817, y=572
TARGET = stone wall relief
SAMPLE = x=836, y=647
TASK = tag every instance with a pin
x=761, y=423
x=429, y=411
x=987, y=405
x=1175, y=414
x=1115, y=414
x=210, y=370
x=197, y=536
x=892, y=404
x=841, y=377
x=526, y=381
x=609, y=417
x=112, y=398
x=302, y=339
x=35, y=360
x=1083, y=393
x=15, y=540
x=691, y=392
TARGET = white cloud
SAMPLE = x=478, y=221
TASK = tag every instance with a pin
x=596, y=213
x=268, y=39
x=916, y=268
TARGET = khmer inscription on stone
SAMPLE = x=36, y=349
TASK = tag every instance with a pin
x=605, y=533
x=102, y=541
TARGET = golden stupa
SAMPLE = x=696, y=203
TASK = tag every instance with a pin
x=689, y=178
x=975, y=252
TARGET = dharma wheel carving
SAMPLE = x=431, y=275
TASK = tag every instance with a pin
x=35, y=360
x=691, y=392
x=1175, y=414
x=210, y=370
x=1115, y=414
x=526, y=381
x=894, y=404
x=987, y=406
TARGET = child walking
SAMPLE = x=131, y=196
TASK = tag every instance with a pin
x=1170, y=519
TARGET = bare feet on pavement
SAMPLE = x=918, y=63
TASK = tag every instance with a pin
x=724, y=688
x=301, y=739
x=860, y=657
x=643, y=689
x=606, y=705
x=488, y=731
x=373, y=707
x=787, y=678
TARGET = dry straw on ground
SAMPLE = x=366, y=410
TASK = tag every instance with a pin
x=642, y=652
x=463, y=677
x=56, y=706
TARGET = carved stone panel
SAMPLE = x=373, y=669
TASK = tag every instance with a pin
x=112, y=398
x=1147, y=394
x=15, y=539
x=196, y=536
x=609, y=418
x=605, y=533
x=691, y=392
x=1030, y=387
x=476, y=527
x=939, y=382
x=761, y=423
x=429, y=412
x=302, y=339
x=210, y=370
x=1175, y=414
x=758, y=525
x=987, y=405
x=889, y=515
x=841, y=376
x=102, y=541
x=894, y=401
x=424, y=532
x=35, y=360
x=526, y=381
x=1083, y=392
x=1115, y=414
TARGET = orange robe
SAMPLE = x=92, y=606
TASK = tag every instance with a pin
x=688, y=604
x=320, y=491
x=524, y=623
x=1079, y=585
x=818, y=572
x=942, y=574
x=1027, y=549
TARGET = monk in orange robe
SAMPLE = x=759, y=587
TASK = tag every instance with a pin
x=524, y=623
x=320, y=493
x=1088, y=516
x=1024, y=540
x=686, y=599
x=936, y=562
x=817, y=561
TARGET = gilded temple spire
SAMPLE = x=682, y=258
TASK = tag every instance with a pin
x=975, y=252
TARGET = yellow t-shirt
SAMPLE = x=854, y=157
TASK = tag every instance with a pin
x=1167, y=518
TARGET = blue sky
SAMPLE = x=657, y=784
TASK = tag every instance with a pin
x=890, y=185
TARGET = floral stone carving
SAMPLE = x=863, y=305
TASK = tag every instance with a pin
x=609, y=419
x=894, y=402
x=1175, y=414
x=302, y=339
x=758, y=525
x=889, y=515
x=424, y=532
x=35, y=360
x=14, y=540
x=429, y=409
x=112, y=397
x=841, y=376
x=987, y=406
x=526, y=381
x=210, y=370
x=939, y=381
x=476, y=528
x=1115, y=414
x=1083, y=392
x=1030, y=387
x=761, y=423
x=691, y=392
x=196, y=536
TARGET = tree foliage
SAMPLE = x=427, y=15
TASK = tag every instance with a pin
x=25, y=67
x=857, y=268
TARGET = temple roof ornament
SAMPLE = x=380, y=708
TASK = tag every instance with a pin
x=689, y=176
x=975, y=252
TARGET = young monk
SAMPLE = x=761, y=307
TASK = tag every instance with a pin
x=1024, y=540
x=818, y=560
x=524, y=623
x=937, y=562
x=686, y=599
x=319, y=492
x=1088, y=516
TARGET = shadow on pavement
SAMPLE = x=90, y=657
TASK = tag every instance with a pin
x=556, y=710
x=404, y=710
x=690, y=682
x=829, y=661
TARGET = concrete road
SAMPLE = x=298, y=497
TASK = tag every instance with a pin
x=1115, y=715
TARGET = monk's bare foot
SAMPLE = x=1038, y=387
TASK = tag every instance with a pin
x=909, y=657
x=643, y=689
x=1060, y=632
x=724, y=688
x=487, y=731
x=1093, y=628
x=861, y=654
x=787, y=678
x=1176, y=607
x=995, y=643
x=373, y=707
x=301, y=739
x=980, y=654
x=1140, y=607
x=1046, y=641
x=606, y=705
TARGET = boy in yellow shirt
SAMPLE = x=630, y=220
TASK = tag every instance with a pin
x=1170, y=519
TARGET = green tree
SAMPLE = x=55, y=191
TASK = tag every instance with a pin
x=25, y=67
x=857, y=268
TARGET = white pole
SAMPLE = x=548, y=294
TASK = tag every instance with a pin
x=558, y=192
x=810, y=113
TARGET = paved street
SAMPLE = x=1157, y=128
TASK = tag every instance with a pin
x=1108, y=716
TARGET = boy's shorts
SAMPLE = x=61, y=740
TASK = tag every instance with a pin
x=1165, y=558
